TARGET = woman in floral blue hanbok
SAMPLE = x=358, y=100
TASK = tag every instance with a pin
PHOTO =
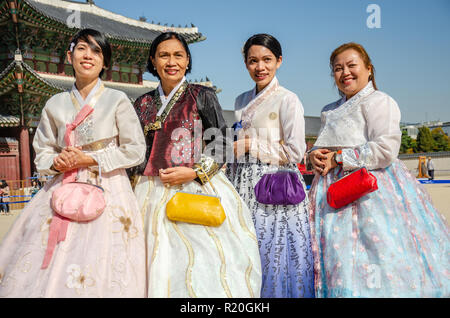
x=391, y=242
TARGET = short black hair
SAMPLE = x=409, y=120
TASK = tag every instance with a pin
x=164, y=37
x=99, y=38
x=265, y=40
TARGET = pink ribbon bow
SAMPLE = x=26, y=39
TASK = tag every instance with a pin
x=59, y=224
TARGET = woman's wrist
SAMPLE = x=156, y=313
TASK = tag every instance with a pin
x=333, y=160
x=337, y=158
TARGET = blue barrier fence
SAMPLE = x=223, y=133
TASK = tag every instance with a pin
x=426, y=181
x=16, y=196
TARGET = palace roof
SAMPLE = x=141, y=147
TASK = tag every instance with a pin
x=9, y=121
x=48, y=26
x=114, y=26
x=32, y=81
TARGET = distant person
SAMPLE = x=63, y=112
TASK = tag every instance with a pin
x=273, y=136
x=4, y=196
x=423, y=168
x=35, y=187
x=430, y=168
x=391, y=242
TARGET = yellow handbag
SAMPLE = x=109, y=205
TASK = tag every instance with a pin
x=196, y=208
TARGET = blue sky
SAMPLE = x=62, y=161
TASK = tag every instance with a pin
x=411, y=50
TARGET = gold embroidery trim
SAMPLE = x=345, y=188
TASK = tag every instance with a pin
x=150, y=187
x=157, y=124
x=240, y=216
x=250, y=265
x=100, y=144
x=247, y=278
x=155, y=222
x=168, y=288
x=206, y=168
x=93, y=101
x=191, y=261
x=223, y=266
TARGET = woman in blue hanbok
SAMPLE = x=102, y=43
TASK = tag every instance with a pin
x=391, y=242
x=273, y=135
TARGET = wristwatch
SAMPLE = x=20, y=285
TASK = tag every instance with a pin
x=338, y=157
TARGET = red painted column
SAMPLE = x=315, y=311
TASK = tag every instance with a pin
x=24, y=144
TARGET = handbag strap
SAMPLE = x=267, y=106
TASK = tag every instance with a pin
x=79, y=118
x=346, y=173
x=82, y=114
x=287, y=152
x=209, y=181
x=70, y=176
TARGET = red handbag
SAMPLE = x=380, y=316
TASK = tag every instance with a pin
x=351, y=187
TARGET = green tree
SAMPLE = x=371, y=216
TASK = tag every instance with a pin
x=425, y=142
x=406, y=142
x=441, y=140
x=413, y=148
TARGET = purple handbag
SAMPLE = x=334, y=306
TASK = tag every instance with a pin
x=280, y=188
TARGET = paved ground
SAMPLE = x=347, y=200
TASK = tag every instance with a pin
x=440, y=195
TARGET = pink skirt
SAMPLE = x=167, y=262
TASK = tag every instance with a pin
x=101, y=258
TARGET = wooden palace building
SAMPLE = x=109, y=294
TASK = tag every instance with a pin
x=34, y=39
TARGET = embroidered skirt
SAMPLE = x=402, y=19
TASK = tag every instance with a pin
x=283, y=236
x=190, y=260
x=389, y=243
x=101, y=258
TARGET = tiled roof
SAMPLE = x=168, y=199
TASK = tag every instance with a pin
x=113, y=25
x=9, y=121
x=133, y=91
x=31, y=79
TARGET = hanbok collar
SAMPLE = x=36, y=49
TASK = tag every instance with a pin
x=165, y=100
x=91, y=94
x=366, y=91
x=256, y=100
x=273, y=82
x=165, y=104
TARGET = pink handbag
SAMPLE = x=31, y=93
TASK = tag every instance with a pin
x=79, y=201
x=73, y=201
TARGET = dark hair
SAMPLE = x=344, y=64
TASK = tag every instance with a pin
x=265, y=40
x=100, y=39
x=164, y=37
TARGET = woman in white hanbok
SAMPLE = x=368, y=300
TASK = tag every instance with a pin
x=273, y=135
x=391, y=242
x=104, y=257
x=185, y=259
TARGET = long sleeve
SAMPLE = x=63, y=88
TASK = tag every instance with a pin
x=383, y=133
x=215, y=128
x=45, y=143
x=131, y=150
x=293, y=135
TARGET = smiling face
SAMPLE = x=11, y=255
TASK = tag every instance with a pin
x=171, y=62
x=350, y=72
x=262, y=65
x=86, y=59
